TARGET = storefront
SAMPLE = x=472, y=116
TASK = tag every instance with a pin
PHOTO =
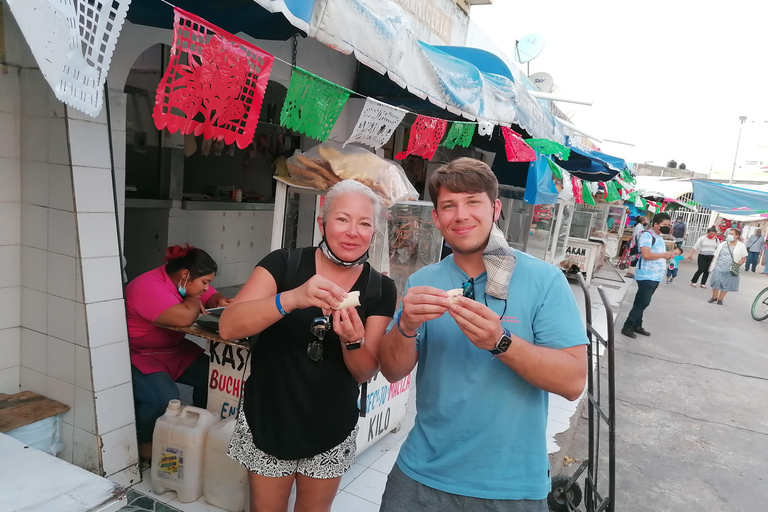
x=99, y=197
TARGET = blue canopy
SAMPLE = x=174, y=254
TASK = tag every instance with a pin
x=729, y=199
x=281, y=22
x=539, y=187
x=590, y=165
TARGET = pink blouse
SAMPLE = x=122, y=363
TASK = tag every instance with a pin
x=156, y=349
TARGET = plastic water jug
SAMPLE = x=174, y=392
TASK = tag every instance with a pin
x=225, y=482
x=178, y=448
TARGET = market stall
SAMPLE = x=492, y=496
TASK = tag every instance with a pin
x=595, y=234
x=409, y=240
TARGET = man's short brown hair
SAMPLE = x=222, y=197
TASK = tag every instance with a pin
x=464, y=175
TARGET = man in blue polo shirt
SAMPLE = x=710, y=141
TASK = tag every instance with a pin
x=487, y=366
x=650, y=270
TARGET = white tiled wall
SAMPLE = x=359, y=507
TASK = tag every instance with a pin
x=10, y=231
x=104, y=421
x=68, y=323
x=236, y=240
x=49, y=265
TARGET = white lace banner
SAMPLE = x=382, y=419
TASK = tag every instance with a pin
x=376, y=124
x=72, y=42
x=485, y=128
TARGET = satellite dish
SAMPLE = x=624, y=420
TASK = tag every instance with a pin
x=556, y=89
x=543, y=81
x=528, y=48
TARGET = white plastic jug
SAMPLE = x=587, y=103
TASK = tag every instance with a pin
x=178, y=447
x=225, y=482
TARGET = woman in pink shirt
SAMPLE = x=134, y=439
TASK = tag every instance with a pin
x=173, y=295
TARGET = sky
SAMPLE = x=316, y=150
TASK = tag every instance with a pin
x=671, y=77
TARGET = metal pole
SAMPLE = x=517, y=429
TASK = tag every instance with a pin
x=738, y=141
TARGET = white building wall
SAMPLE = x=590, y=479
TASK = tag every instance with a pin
x=236, y=240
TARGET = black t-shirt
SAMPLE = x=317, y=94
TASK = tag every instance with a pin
x=296, y=407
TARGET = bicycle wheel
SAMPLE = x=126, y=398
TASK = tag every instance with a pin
x=760, y=306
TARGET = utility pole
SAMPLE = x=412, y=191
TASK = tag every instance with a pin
x=738, y=141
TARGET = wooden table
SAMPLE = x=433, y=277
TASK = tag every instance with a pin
x=24, y=408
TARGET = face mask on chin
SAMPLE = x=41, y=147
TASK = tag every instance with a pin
x=710, y=236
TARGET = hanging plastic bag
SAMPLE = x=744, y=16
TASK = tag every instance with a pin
x=326, y=164
x=539, y=187
x=567, y=193
x=45, y=435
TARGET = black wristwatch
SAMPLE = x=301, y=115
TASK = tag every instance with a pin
x=503, y=344
x=355, y=344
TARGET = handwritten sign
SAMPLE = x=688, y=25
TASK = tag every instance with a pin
x=226, y=378
x=385, y=409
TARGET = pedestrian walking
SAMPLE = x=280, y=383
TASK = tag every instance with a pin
x=754, y=245
x=679, y=231
x=705, y=246
x=729, y=257
x=673, y=264
x=765, y=258
x=649, y=273
x=488, y=358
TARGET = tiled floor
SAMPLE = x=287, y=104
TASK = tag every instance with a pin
x=361, y=488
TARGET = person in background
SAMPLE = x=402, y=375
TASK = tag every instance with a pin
x=649, y=273
x=640, y=226
x=765, y=258
x=679, y=231
x=705, y=246
x=487, y=363
x=173, y=295
x=298, y=421
x=723, y=279
x=674, y=263
x=754, y=245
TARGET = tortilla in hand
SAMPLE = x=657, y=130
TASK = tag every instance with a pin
x=350, y=301
x=453, y=296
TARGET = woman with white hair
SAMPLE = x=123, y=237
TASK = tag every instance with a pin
x=298, y=422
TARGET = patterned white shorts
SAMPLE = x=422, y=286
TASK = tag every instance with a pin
x=329, y=464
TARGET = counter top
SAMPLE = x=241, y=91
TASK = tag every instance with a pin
x=227, y=205
x=131, y=202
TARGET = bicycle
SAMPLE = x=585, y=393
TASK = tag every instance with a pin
x=760, y=306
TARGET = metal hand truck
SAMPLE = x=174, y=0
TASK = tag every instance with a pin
x=566, y=495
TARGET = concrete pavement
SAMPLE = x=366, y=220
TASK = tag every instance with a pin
x=692, y=419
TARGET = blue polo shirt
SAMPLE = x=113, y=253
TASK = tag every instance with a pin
x=480, y=428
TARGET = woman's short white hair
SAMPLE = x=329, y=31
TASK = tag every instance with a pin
x=353, y=187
